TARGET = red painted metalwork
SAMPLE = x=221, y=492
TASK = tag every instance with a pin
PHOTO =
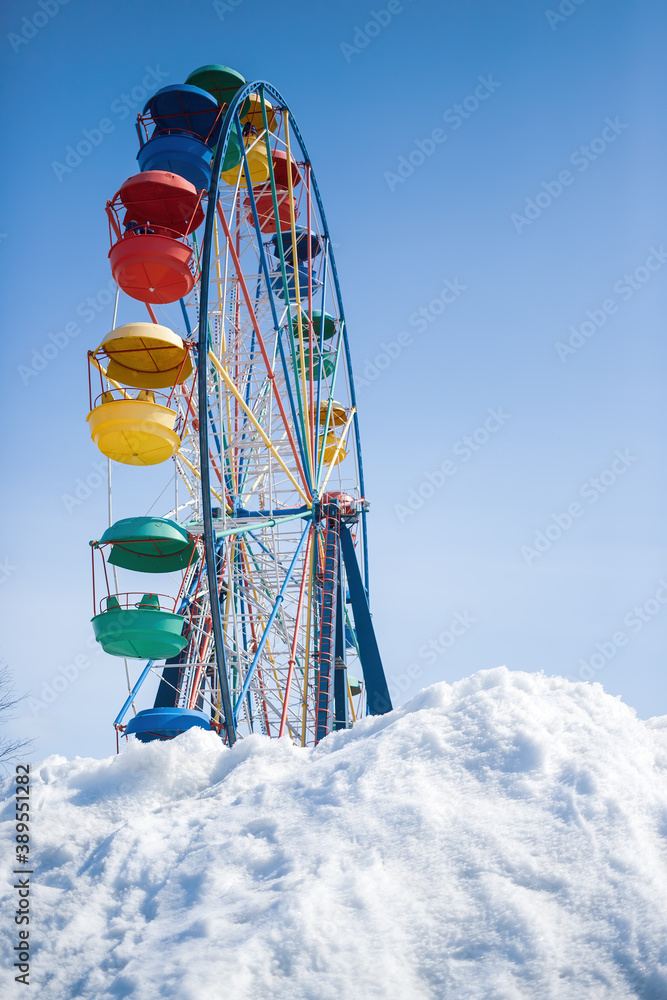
x=328, y=580
x=264, y=203
x=292, y=659
x=311, y=351
x=348, y=505
x=148, y=126
x=126, y=602
x=260, y=678
x=151, y=260
x=262, y=346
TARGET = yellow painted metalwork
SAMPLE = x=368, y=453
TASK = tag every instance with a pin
x=223, y=341
x=349, y=698
x=307, y=654
x=249, y=493
x=181, y=458
x=93, y=360
x=299, y=318
x=256, y=424
x=259, y=617
x=218, y=281
x=134, y=431
x=232, y=465
x=146, y=356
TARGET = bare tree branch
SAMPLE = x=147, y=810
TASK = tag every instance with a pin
x=9, y=748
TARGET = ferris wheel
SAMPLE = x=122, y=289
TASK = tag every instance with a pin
x=239, y=383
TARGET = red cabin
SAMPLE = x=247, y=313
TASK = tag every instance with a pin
x=279, y=157
x=162, y=199
x=264, y=202
x=151, y=258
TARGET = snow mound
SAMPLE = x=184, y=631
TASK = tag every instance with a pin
x=501, y=838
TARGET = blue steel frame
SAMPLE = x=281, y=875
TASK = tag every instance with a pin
x=228, y=125
x=379, y=700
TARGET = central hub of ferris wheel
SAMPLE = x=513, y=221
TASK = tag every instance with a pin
x=238, y=385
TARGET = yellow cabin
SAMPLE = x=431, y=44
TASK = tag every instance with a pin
x=258, y=165
x=330, y=445
x=134, y=431
x=253, y=115
x=339, y=414
x=146, y=356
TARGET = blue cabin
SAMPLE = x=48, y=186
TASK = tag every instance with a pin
x=165, y=723
x=187, y=122
x=302, y=271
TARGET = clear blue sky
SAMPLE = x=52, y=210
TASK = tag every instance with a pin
x=493, y=175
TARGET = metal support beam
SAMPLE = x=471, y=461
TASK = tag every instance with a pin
x=377, y=692
x=340, y=666
x=267, y=630
x=167, y=692
x=327, y=638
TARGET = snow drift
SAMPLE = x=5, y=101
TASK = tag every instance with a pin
x=502, y=837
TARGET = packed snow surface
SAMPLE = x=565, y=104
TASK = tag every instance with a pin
x=499, y=838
